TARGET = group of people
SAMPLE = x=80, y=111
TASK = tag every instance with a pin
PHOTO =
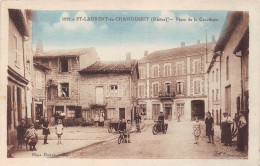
x=28, y=135
x=99, y=119
x=226, y=133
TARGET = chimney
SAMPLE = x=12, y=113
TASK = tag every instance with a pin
x=39, y=48
x=198, y=41
x=182, y=44
x=213, y=39
x=145, y=52
x=128, y=59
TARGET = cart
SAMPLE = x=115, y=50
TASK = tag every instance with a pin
x=113, y=124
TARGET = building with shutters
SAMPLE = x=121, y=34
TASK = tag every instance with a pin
x=62, y=81
x=19, y=87
x=174, y=81
x=228, y=70
x=109, y=87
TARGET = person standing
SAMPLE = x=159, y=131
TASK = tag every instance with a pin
x=179, y=116
x=21, y=129
x=96, y=119
x=101, y=119
x=59, y=130
x=161, y=120
x=32, y=137
x=138, y=122
x=196, y=130
x=242, y=131
x=128, y=130
x=209, y=121
x=226, y=136
x=45, y=130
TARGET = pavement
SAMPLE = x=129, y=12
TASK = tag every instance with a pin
x=73, y=139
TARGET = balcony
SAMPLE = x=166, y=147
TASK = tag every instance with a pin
x=166, y=95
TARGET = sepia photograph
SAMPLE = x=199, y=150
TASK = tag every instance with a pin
x=127, y=84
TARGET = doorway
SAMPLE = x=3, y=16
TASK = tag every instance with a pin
x=197, y=109
x=168, y=111
x=122, y=113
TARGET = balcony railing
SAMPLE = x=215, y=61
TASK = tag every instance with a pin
x=166, y=95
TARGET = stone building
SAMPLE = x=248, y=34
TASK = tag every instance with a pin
x=62, y=82
x=173, y=81
x=109, y=87
x=39, y=103
x=19, y=88
x=231, y=58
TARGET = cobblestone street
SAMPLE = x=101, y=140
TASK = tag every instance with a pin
x=177, y=143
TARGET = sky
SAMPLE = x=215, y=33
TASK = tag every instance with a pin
x=113, y=39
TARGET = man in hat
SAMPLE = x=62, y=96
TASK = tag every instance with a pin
x=226, y=136
x=242, y=132
x=161, y=120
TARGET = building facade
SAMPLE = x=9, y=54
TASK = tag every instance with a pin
x=174, y=81
x=19, y=87
x=62, y=82
x=111, y=88
x=231, y=58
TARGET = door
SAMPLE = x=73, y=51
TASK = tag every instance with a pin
x=38, y=112
x=168, y=111
x=228, y=99
x=122, y=113
x=99, y=95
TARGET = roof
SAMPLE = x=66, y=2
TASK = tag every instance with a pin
x=184, y=51
x=19, y=20
x=231, y=22
x=106, y=67
x=55, y=53
x=41, y=66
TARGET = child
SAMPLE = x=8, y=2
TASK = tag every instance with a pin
x=128, y=130
x=31, y=137
x=21, y=129
x=196, y=130
x=59, y=130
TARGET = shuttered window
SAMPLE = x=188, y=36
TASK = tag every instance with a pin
x=179, y=87
x=196, y=87
x=155, y=89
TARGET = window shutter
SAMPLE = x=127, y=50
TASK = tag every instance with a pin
x=69, y=65
x=59, y=66
x=120, y=90
x=107, y=90
x=59, y=90
x=152, y=72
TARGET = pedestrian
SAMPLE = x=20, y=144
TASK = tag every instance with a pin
x=101, y=119
x=179, y=116
x=122, y=128
x=226, y=136
x=128, y=130
x=21, y=129
x=96, y=119
x=138, y=122
x=45, y=130
x=196, y=130
x=209, y=121
x=31, y=137
x=242, y=132
x=59, y=130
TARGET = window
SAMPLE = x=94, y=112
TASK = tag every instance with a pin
x=213, y=76
x=155, y=71
x=227, y=68
x=167, y=70
x=179, y=87
x=213, y=94
x=168, y=88
x=216, y=75
x=63, y=90
x=216, y=94
x=156, y=110
x=64, y=64
x=38, y=80
x=197, y=87
x=180, y=108
x=179, y=68
x=155, y=89
x=59, y=109
x=70, y=111
x=111, y=113
x=115, y=90
x=17, y=58
x=141, y=73
x=196, y=66
x=141, y=89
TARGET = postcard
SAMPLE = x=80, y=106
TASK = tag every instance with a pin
x=120, y=81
